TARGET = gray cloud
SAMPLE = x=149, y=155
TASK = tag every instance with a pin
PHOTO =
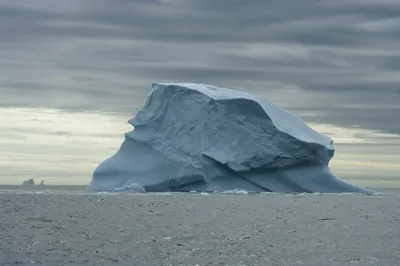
x=338, y=60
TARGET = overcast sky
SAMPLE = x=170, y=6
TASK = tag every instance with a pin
x=72, y=73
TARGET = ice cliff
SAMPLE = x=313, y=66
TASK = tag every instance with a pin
x=201, y=137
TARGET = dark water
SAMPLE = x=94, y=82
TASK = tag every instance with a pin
x=61, y=189
x=81, y=189
x=64, y=225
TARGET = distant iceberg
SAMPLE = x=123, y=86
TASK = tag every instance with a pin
x=28, y=183
x=31, y=182
x=200, y=137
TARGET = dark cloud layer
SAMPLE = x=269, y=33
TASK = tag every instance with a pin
x=336, y=60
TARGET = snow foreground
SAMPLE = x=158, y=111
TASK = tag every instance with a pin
x=200, y=137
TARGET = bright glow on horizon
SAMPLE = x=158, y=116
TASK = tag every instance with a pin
x=65, y=148
x=59, y=147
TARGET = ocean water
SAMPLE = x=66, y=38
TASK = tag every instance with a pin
x=65, y=225
x=81, y=190
x=58, y=189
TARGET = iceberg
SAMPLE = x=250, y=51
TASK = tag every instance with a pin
x=205, y=138
x=28, y=183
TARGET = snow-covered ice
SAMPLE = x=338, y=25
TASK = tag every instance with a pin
x=201, y=137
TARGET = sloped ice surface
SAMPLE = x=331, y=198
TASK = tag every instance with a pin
x=201, y=137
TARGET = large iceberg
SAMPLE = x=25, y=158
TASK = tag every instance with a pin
x=201, y=137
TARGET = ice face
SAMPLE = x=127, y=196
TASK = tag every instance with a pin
x=201, y=137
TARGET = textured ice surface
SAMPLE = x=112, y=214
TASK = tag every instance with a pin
x=200, y=137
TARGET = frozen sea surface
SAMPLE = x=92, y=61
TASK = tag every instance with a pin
x=66, y=226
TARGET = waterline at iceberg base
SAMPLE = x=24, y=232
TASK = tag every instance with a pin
x=201, y=137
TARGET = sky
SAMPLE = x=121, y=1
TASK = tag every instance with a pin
x=73, y=72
